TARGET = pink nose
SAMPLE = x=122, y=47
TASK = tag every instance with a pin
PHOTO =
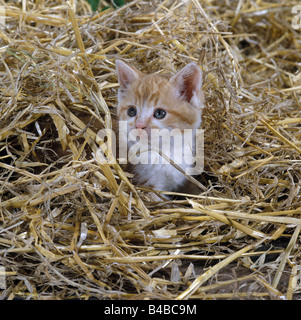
x=140, y=125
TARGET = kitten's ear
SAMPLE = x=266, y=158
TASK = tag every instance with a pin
x=126, y=74
x=187, y=84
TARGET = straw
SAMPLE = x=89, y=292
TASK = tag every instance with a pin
x=73, y=226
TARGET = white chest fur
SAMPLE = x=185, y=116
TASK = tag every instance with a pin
x=155, y=161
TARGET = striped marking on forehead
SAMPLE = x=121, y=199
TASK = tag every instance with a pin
x=147, y=92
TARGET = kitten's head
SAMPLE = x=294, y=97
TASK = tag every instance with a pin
x=149, y=101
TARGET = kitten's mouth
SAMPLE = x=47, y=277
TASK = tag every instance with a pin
x=148, y=135
x=143, y=132
x=143, y=135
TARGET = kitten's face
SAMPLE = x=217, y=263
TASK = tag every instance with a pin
x=153, y=102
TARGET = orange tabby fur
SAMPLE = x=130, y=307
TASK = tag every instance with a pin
x=180, y=97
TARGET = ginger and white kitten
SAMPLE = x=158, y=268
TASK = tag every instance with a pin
x=151, y=101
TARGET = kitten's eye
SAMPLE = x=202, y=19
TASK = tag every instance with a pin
x=159, y=113
x=132, y=111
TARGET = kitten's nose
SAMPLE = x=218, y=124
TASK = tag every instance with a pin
x=140, y=125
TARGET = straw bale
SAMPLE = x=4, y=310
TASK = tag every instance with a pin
x=72, y=226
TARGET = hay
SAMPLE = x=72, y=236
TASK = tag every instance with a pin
x=72, y=227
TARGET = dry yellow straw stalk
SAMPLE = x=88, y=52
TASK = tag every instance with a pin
x=73, y=226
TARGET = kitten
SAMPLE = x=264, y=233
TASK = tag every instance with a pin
x=149, y=101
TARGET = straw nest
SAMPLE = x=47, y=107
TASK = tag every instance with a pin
x=72, y=227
